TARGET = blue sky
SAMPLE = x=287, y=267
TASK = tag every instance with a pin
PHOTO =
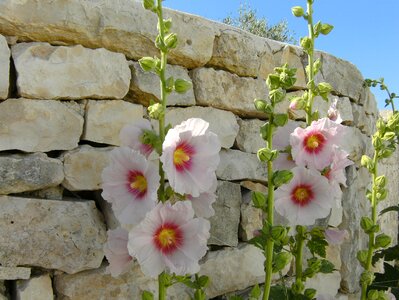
x=366, y=33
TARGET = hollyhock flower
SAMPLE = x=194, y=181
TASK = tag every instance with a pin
x=130, y=183
x=305, y=198
x=116, y=252
x=314, y=145
x=202, y=204
x=333, y=113
x=169, y=238
x=335, y=236
x=281, y=142
x=131, y=135
x=190, y=157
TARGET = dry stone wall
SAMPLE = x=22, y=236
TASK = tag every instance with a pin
x=70, y=81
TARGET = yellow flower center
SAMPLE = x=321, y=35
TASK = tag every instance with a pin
x=313, y=142
x=139, y=184
x=301, y=194
x=167, y=237
x=180, y=157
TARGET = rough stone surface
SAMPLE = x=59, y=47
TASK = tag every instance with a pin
x=36, y=288
x=363, y=121
x=251, y=221
x=5, y=68
x=55, y=72
x=227, y=91
x=120, y=26
x=357, y=144
x=63, y=235
x=14, y=273
x=96, y=284
x=370, y=104
x=326, y=284
x=83, y=167
x=248, y=138
x=223, y=123
x=237, y=165
x=105, y=119
x=38, y=125
x=144, y=86
x=224, y=224
x=20, y=173
x=233, y=269
x=52, y=193
x=106, y=208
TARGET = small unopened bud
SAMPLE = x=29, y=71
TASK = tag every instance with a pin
x=306, y=43
x=362, y=257
x=310, y=293
x=265, y=154
x=148, y=63
x=149, y=4
x=281, y=260
x=156, y=111
x=278, y=233
x=326, y=28
x=297, y=103
x=382, y=241
x=171, y=41
x=297, y=287
x=182, y=86
x=367, y=278
x=297, y=11
x=366, y=224
x=260, y=104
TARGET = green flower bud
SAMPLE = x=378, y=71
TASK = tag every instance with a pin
x=372, y=295
x=389, y=136
x=297, y=103
x=310, y=293
x=149, y=4
x=297, y=287
x=146, y=295
x=265, y=154
x=381, y=194
x=381, y=125
x=362, y=257
x=278, y=233
x=367, y=162
x=280, y=261
x=277, y=95
x=366, y=224
x=301, y=230
x=280, y=120
x=156, y=111
x=380, y=181
x=367, y=278
x=324, y=89
x=182, y=86
x=171, y=41
x=259, y=199
x=282, y=177
x=382, y=241
x=306, y=43
x=167, y=23
x=148, y=63
x=326, y=28
x=297, y=11
x=260, y=104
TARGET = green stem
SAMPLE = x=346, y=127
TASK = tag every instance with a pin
x=374, y=219
x=298, y=260
x=309, y=104
x=161, y=287
x=391, y=100
x=270, y=216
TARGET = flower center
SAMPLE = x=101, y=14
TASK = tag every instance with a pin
x=182, y=156
x=137, y=183
x=168, y=238
x=302, y=194
x=314, y=142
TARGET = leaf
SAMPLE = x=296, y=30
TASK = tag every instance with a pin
x=317, y=246
x=255, y=292
x=146, y=295
x=279, y=292
x=390, y=208
x=326, y=266
x=389, y=254
x=389, y=279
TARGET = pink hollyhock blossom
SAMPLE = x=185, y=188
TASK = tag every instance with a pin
x=202, y=204
x=314, y=145
x=335, y=236
x=190, y=157
x=130, y=183
x=116, y=252
x=169, y=238
x=333, y=113
x=281, y=142
x=131, y=135
x=305, y=198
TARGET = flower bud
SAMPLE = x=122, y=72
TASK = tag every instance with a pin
x=297, y=103
x=381, y=125
x=277, y=95
x=182, y=86
x=380, y=181
x=282, y=177
x=297, y=287
x=149, y=4
x=366, y=224
x=310, y=293
x=367, y=162
x=280, y=261
x=278, y=233
x=156, y=111
x=306, y=43
x=382, y=241
x=265, y=154
x=326, y=28
x=362, y=257
x=258, y=199
x=367, y=278
x=148, y=63
x=262, y=106
x=297, y=11
x=171, y=41
x=280, y=120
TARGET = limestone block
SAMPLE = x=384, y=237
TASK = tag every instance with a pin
x=224, y=224
x=342, y=75
x=251, y=221
x=357, y=144
x=20, y=173
x=38, y=126
x=233, y=269
x=5, y=68
x=83, y=167
x=221, y=122
x=106, y=208
x=14, y=273
x=248, y=138
x=319, y=283
x=253, y=186
x=227, y=91
x=96, y=284
x=370, y=103
x=292, y=56
x=105, y=119
x=363, y=121
x=144, y=86
x=52, y=193
x=56, y=72
x=237, y=165
x=63, y=235
x=120, y=26
x=36, y=288
x=78, y=106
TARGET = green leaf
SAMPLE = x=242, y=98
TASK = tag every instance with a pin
x=277, y=95
x=255, y=292
x=280, y=120
x=264, y=130
x=146, y=295
x=389, y=254
x=390, y=208
x=279, y=292
x=273, y=82
x=326, y=266
x=317, y=246
x=317, y=28
x=259, y=241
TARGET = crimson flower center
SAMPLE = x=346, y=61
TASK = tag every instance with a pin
x=302, y=194
x=137, y=184
x=182, y=156
x=168, y=237
x=314, y=142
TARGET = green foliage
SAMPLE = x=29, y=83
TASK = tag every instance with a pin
x=248, y=20
x=388, y=279
x=146, y=295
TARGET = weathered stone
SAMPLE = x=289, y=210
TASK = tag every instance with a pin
x=344, y=77
x=78, y=106
x=363, y=121
x=105, y=119
x=233, y=269
x=251, y=221
x=63, y=235
x=227, y=91
x=253, y=186
x=325, y=284
x=370, y=104
x=38, y=125
x=5, y=68
x=224, y=224
x=52, y=193
x=83, y=167
x=237, y=165
x=20, y=173
x=144, y=86
x=97, y=284
x=223, y=123
x=120, y=26
x=106, y=208
x=248, y=138
x=292, y=56
x=55, y=72
x=36, y=288
x=356, y=144
x=14, y=273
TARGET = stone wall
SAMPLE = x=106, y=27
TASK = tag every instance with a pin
x=70, y=80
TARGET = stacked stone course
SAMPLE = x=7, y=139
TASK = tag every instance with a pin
x=70, y=81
